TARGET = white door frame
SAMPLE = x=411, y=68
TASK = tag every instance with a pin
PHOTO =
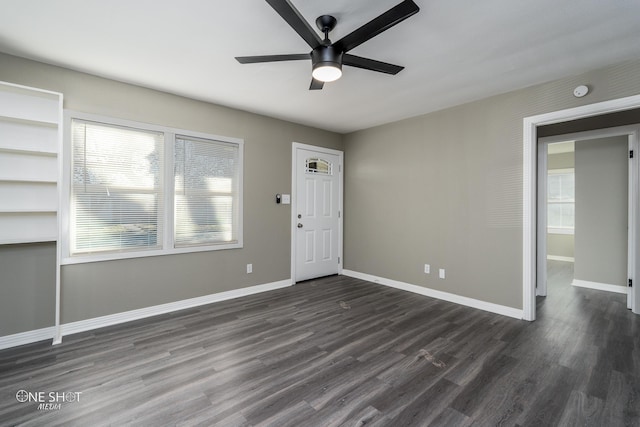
x=294, y=197
x=529, y=172
x=631, y=132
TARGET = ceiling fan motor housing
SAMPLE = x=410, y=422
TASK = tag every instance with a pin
x=326, y=56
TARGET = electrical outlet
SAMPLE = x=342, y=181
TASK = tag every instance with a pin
x=427, y=269
x=442, y=273
x=249, y=268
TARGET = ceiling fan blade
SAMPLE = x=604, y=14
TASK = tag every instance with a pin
x=272, y=58
x=391, y=17
x=316, y=84
x=371, y=64
x=296, y=21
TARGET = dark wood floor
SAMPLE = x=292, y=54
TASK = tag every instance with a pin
x=341, y=351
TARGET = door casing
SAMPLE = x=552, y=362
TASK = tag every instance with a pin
x=529, y=193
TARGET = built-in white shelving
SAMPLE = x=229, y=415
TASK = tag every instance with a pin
x=30, y=146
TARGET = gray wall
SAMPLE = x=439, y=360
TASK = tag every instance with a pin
x=601, y=210
x=97, y=289
x=27, y=287
x=446, y=189
x=560, y=244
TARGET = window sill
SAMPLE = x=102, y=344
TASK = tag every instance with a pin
x=570, y=231
x=113, y=256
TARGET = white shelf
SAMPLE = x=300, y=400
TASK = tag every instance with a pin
x=25, y=180
x=38, y=239
x=27, y=211
x=28, y=152
x=28, y=122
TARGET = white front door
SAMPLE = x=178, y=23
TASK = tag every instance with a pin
x=316, y=210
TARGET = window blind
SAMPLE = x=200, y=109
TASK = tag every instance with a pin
x=117, y=188
x=206, y=174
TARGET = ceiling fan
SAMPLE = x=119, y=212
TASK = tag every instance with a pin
x=327, y=58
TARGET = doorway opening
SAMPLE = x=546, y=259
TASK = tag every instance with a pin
x=585, y=211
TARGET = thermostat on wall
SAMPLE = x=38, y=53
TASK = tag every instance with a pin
x=580, y=91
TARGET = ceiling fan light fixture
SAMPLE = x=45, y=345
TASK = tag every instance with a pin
x=327, y=73
x=327, y=64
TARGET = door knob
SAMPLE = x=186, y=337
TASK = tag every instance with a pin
x=299, y=225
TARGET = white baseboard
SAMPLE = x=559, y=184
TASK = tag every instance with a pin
x=561, y=258
x=127, y=316
x=28, y=337
x=600, y=286
x=457, y=299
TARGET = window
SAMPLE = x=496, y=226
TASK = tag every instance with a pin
x=141, y=190
x=206, y=192
x=116, y=188
x=560, y=201
x=321, y=166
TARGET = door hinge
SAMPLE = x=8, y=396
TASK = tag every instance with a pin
x=630, y=283
x=338, y=260
x=338, y=214
x=631, y=154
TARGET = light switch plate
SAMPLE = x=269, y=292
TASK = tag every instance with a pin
x=286, y=199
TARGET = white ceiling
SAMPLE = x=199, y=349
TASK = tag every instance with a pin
x=454, y=51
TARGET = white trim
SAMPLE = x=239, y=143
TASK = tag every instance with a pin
x=128, y=316
x=561, y=258
x=294, y=220
x=541, y=218
x=599, y=286
x=445, y=296
x=529, y=245
x=28, y=337
x=633, y=241
x=57, y=338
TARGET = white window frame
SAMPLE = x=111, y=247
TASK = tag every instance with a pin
x=168, y=246
x=560, y=230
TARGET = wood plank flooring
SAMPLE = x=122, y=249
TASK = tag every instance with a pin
x=341, y=351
